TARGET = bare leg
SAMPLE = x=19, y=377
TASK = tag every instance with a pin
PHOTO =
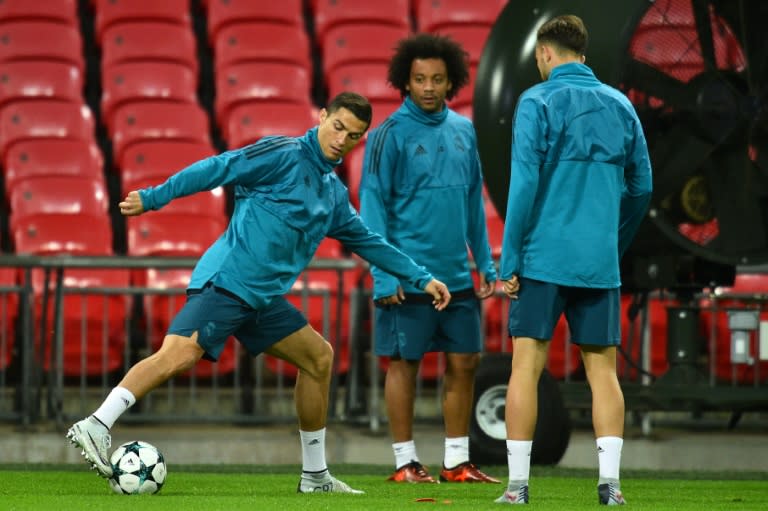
x=458, y=392
x=607, y=397
x=313, y=355
x=528, y=361
x=399, y=394
x=177, y=354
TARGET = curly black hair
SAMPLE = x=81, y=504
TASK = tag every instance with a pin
x=429, y=46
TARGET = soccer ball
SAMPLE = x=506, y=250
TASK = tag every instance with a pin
x=137, y=467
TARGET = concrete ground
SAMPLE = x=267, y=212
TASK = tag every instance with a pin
x=662, y=448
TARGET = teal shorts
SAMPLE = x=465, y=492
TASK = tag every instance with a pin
x=411, y=329
x=593, y=315
x=216, y=314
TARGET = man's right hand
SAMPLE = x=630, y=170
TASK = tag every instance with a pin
x=131, y=205
x=439, y=292
x=395, y=299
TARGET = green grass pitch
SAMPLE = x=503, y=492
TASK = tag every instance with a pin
x=253, y=488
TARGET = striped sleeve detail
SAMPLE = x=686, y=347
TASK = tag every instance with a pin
x=266, y=144
x=377, y=145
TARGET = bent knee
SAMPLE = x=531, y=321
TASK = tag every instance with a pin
x=320, y=363
x=178, y=353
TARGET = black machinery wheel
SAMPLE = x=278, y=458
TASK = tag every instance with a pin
x=487, y=430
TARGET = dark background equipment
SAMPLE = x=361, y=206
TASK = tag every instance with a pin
x=697, y=73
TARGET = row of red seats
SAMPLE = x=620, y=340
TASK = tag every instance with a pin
x=42, y=63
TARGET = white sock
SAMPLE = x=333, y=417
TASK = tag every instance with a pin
x=609, y=457
x=519, y=460
x=405, y=452
x=313, y=451
x=117, y=402
x=456, y=451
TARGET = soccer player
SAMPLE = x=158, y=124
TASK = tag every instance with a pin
x=422, y=190
x=287, y=199
x=580, y=185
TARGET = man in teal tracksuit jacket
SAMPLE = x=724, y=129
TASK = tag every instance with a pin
x=287, y=199
x=422, y=189
x=579, y=187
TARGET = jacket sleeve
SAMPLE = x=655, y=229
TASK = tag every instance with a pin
x=477, y=235
x=639, y=186
x=528, y=153
x=375, y=197
x=348, y=227
x=231, y=167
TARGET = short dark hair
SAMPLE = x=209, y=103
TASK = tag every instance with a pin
x=429, y=46
x=567, y=32
x=355, y=103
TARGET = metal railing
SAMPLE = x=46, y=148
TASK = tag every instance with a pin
x=48, y=370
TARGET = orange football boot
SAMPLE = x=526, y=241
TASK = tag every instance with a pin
x=466, y=472
x=413, y=472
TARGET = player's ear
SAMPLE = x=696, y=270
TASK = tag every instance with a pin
x=323, y=115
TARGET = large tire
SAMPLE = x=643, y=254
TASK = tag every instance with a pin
x=487, y=430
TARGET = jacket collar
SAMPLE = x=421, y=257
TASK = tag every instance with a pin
x=422, y=116
x=571, y=68
x=324, y=164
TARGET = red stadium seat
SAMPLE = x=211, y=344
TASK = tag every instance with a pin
x=209, y=203
x=249, y=122
x=149, y=41
x=52, y=233
x=383, y=108
x=222, y=13
x=431, y=15
x=262, y=42
x=143, y=81
x=57, y=194
x=44, y=119
x=366, y=78
x=52, y=157
x=156, y=159
x=112, y=12
x=35, y=79
x=268, y=81
x=9, y=303
x=94, y=325
x=58, y=11
x=347, y=44
x=141, y=121
x=42, y=40
x=471, y=37
x=177, y=235
x=332, y=13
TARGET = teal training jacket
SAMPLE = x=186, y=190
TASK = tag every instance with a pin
x=580, y=181
x=422, y=189
x=287, y=199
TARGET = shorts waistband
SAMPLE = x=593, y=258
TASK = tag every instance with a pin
x=456, y=296
x=219, y=290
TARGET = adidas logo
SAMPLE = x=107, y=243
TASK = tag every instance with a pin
x=420, y=150
x=600, y=449
x=314, y=442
